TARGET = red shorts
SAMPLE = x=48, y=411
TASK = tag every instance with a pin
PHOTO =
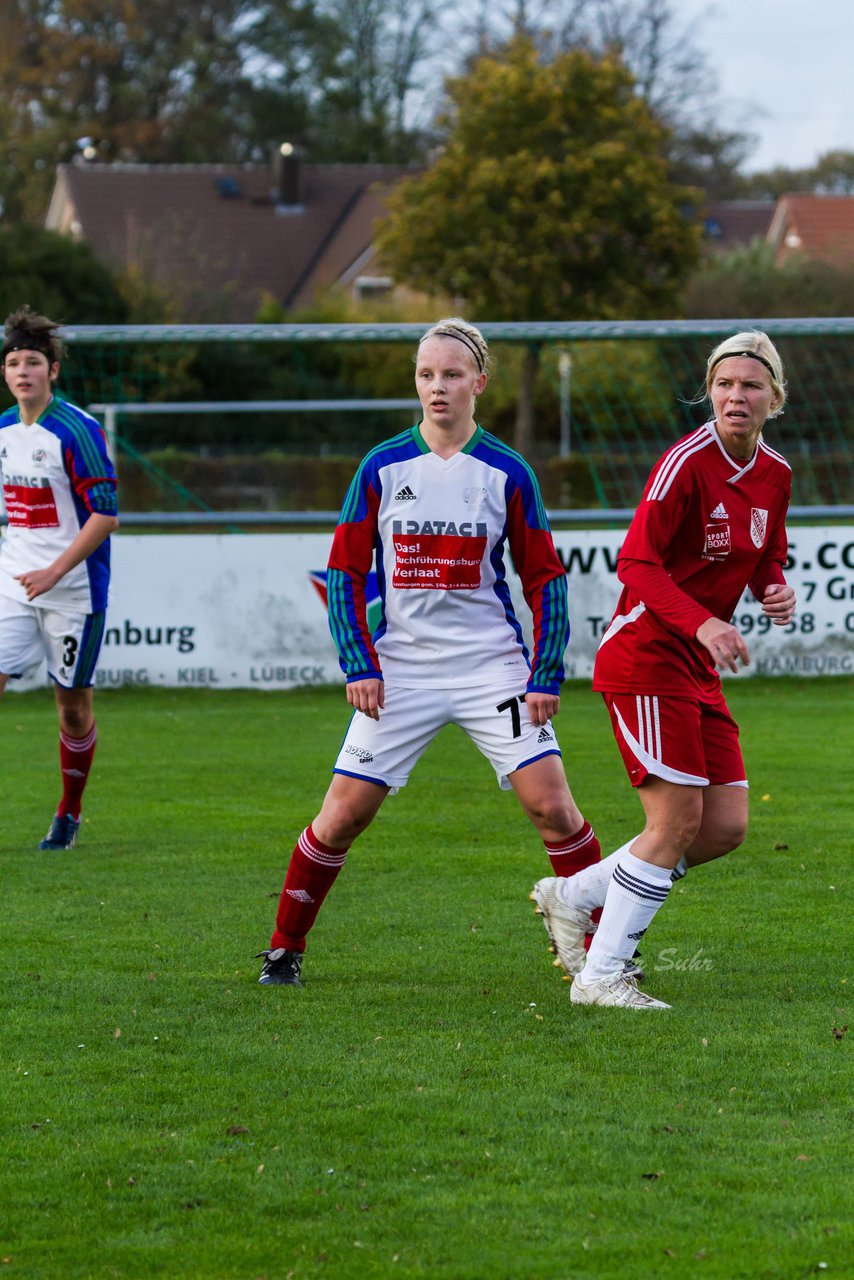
x=678, y=739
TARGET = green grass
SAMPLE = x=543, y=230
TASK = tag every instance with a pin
x=429, y=1105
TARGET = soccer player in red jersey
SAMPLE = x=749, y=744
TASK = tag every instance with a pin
x=437, y=507
x=59, y=491
x=710, y=524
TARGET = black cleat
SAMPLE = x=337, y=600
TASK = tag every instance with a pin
x=281, y=968
x=62, y=834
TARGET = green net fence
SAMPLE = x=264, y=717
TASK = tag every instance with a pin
x=609, y=398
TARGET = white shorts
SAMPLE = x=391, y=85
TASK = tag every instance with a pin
x=71, y=642
x=386, y=751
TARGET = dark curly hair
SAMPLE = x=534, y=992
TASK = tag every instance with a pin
x=24, y=330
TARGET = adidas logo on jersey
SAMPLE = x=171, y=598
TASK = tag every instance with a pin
x=405, y=495
x=719, y=513
x=544, y=736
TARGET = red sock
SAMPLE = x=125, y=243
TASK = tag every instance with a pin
x=595, y=917
x=572, y=855
x=75, y=759
x=311, y=874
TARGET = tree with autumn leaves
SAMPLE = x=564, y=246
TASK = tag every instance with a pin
x=550, y=200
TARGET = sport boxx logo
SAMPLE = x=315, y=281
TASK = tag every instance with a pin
x=718, y=542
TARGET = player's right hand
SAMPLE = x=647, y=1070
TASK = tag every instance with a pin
x=367, y=696
x=724, y=642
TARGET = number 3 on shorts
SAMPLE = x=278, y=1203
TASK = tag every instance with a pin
x=69, y=651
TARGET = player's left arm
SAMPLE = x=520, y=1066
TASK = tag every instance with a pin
x=347, y=573
x=768, y=582
x=778, y=603
x=544, y=588
x=92, y=533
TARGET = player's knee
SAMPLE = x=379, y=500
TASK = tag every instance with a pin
x=75, y=721
x=683, y=829
x=728, y=836
x=555, y=818
x=339, y=824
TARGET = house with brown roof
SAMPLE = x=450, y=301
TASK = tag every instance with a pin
x=727, y=224
x=811, y=226
x=219, y=239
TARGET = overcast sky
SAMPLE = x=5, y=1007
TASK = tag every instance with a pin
x=785, y=69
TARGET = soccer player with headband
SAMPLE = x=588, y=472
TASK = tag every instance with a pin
x=711, y=523
x=436, y=508
x=59, y=491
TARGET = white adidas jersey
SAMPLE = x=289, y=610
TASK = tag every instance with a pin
x=438, y=528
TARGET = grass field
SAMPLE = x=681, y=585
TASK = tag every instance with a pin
x=429, y=1105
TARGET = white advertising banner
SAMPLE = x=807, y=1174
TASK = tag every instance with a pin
x=818, y=641
x=248, y=611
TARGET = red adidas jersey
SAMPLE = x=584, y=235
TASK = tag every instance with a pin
x=708, y=525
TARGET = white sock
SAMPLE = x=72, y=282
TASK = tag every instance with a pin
x=586, y=890
x=636, y=891
x=679, y=870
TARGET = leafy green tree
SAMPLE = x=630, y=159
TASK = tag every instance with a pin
x=57, y=276
x=64, y=280
x=658, y=43
x=832, y=174
x=550, y=201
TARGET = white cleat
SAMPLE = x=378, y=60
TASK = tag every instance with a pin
x=616, y=989
x=566, y=926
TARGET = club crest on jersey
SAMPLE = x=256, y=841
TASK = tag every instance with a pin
x=39, y=455
x=718, y=543
x=758, y=526
x=475, y=496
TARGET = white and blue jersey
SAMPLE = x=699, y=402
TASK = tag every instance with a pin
x=55, y=473
x=439, y=529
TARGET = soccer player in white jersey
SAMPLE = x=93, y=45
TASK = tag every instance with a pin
x=59, y=492
x=711, y=522
x=436, y=507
